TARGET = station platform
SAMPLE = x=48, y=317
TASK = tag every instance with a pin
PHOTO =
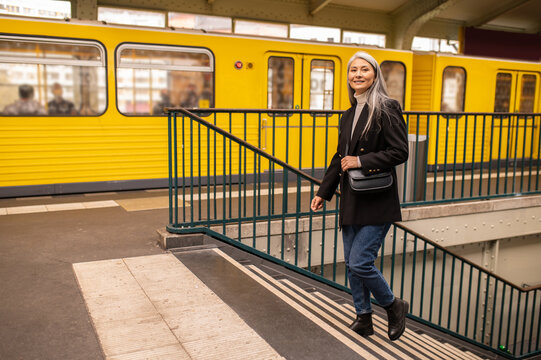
x=83, y=278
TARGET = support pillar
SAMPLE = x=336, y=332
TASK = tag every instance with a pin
x=489, y=261
x=84, y=9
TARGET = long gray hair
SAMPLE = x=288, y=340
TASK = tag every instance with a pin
x=377, y=96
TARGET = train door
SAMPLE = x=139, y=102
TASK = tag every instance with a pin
x=306, y=82
x=301, y=81
x=517, y=92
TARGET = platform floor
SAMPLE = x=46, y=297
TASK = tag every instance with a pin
x=76, y=278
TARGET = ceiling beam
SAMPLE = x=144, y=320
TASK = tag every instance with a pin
x=506, y=7
x=318, y=5
x=410, y=17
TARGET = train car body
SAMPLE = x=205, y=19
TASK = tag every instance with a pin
x=118, y=79
x=455, y=84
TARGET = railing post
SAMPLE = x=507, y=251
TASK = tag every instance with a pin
x=170, y=165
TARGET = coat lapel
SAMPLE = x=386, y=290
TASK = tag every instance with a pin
x=361, y=123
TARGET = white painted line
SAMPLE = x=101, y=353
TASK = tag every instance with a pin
x=468, y=355
x=381, y=327
x=472, y=355
x=445, y=348
x=355, y=347
x=322, y=314
x=155, y=307
x=26, y=209
x=66, y=206
x=57, y=207
x=99, y=204
x=429, y=341
x=345, y=319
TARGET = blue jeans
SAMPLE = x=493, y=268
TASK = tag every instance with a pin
x=361, y=246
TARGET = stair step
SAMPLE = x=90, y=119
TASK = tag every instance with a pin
x=341, y=315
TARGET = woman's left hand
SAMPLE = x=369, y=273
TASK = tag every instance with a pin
x=349, y=162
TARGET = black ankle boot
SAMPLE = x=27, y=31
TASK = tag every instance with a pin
x=396, y=315
x=363, y=325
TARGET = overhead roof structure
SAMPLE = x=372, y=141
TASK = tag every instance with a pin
x=399, y=20
x=505, y=15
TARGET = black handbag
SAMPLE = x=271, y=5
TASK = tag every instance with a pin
x=362, y=183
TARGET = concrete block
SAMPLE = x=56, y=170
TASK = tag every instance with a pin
x=469, y=207
x=167, y=240
x=516, y=202
x=317, y=222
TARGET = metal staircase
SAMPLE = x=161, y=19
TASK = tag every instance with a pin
x=217, y=188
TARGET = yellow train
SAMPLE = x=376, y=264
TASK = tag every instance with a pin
x=81, y=102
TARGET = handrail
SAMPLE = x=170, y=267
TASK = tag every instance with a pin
x=305, y=111
x=463, y=259
x=247, y=144
x=256, y=111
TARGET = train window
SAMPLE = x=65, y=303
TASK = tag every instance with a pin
x=453, y=89
x=48, y=76
x=394, y=73
x=280, y=83
x=527, y=93
x=321, y=84
x=503, y=92
x=152, y=77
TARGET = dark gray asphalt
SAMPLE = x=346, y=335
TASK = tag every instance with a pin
x=42, y=313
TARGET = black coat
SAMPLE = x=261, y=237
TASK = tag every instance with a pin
x=383, y=147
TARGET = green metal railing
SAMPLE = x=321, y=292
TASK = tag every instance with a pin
x=223, y=184
x=472, y=155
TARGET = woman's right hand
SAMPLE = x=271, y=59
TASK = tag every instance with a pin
x=317, y=203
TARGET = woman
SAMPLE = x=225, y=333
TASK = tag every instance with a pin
x=372, y=137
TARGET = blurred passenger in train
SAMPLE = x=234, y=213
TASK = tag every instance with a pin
x=163, y=103
x=59, y=105
x=26, y=105
x=192, y=99
x=206, y=97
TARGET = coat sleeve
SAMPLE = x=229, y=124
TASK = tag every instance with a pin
x=334, y=171
x=331, y=179
x=395, y=140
